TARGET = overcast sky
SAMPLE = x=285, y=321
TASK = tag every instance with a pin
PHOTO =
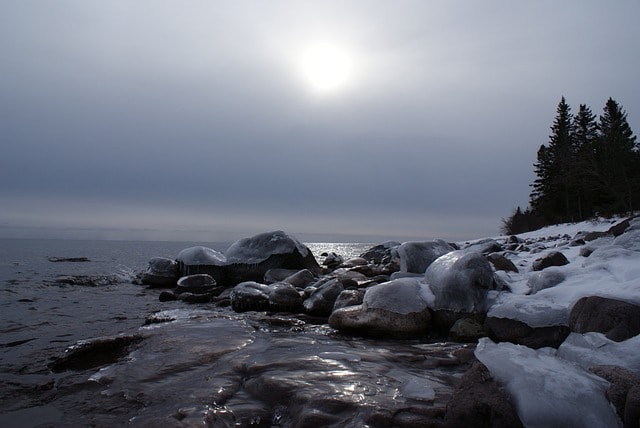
x=199, y=120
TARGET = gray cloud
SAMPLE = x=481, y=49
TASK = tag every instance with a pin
x=193, y=118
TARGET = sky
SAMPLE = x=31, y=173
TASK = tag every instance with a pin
x=331, y=120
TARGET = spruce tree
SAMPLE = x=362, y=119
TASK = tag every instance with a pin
x=585, y=137
x=617, y=161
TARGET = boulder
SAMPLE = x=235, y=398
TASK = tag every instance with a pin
x=321, y=301
x=554, y=258
x=500, y=262
x=616, y=319
x=199, y=259
x=460, y=281
x=277, y=297
x=520, y=333
x=349, y=298
x=161, y=273
x=466, y=330
x=250, y=258
x=621, y=382
x=196, y=284
x=415, y=257
x=300, y=279
x=399, y=307
x=479, y=401
x=380, y=254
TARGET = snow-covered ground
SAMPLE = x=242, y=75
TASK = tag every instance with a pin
x=554, y=387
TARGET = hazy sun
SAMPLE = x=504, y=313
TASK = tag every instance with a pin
x=326, y=67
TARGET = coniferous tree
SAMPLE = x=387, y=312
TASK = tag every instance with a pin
x=616, y=161
x=553, y=191
x=585, y=137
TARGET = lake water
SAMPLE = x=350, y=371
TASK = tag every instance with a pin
x=204, y=366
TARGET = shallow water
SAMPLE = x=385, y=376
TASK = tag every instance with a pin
x=195, y=364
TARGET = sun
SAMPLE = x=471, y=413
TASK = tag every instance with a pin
x=326, y=67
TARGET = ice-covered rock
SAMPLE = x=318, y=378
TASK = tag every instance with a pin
x=400, y=306
x=415, y=257
x=545, y=279
x=460, y=281
x=161, y=272
x=592, y=349
x=197, y=284
x=250, y=258
x=548, y=391
x=199, y=259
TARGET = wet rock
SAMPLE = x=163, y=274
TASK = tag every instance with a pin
x=616, y=319
x=632, y=408
x=520, y=333
x=196, y=297
x=278, y=275
x=485, y=246
x=554, y=258
x=322, y=300
x=88, y=354
x=196, y=284
x=349, y=298
x=87, y=280
x=300, y=279
x=332, y=260
x=415, y=257
x=380, y=254
x=395, y=307
x=500, y=262
x=167, y=296
x=479, y=401
x=619, y=228
x=161, y=272
x=284, y=297
x=466, y=330
x=250, y=296
x=460, y=281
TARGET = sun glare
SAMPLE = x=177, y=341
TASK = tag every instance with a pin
x=326, y=67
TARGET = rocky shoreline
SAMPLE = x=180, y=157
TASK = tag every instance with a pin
x=552, y=321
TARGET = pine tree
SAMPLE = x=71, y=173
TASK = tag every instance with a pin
x=616, y=168
x=585, y=137
x=553, y=191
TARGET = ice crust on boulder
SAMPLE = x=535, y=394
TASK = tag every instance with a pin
x=591, y=349
x=402, y=296
x=260, y=247
x=196, y=256
x=548, y=391
x=415, y=256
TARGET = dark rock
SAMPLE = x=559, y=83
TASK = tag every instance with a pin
x=88, y=354
x=621, y=381
x=250, y=296
x=284, y=298
x=485, y=246
x=480, y=402
x=592, y=236
x=300, y=279
x=466, y=330
x=577, y=242
x=619, y=228
x=68, y=259
x=332, y=260
x=278, y=275
x=87, y=280
x=322, y=300
x=586, y=251
x=616, y=319
x=500, y=262
x=196, y=297
x=632, y=408
x=518, y=332
x=443, y=320
x=379, y=254
x=349, y=298
x=197, y=260
x=161, y=272
x=167, y=296
x=554, y=258
x=197, y=284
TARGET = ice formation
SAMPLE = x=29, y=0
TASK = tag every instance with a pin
x=260, y=247
x=195, y=256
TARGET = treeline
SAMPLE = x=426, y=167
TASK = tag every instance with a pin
x=589, y=167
